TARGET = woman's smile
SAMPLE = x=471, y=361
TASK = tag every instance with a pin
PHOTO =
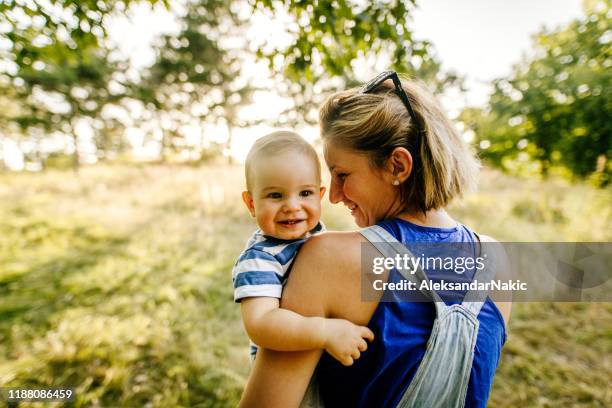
x=359, y=186
x=352, y=208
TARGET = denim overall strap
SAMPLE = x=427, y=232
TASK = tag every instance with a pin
x=443, y=375
x=388, y=246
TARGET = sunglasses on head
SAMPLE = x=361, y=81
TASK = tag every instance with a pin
x=392, y=75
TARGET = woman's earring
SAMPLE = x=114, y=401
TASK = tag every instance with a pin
x=396, y=182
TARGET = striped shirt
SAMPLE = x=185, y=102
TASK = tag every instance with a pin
x=261, y=269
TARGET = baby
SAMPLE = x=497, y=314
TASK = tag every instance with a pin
x=284, y=195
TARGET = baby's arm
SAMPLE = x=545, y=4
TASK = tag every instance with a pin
x=274, y=328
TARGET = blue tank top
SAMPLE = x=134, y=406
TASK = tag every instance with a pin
x=382, y=373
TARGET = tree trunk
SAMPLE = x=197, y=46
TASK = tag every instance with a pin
x=75, y=156
x=228, y=145
x=165, y=146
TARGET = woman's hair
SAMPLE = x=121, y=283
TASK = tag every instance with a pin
x=276, y=143
x=377, y=122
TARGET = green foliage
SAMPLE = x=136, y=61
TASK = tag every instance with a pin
x=553, y=359
x=519, y=209
x=59, y=68
x=337, y=32
x=328, y=39
x=193, y=77
x=117, y=284
x=196, y=76
x=117, y=281
x=554, y=111
x=60, y=161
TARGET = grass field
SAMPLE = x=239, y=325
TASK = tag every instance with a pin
x=117, y=281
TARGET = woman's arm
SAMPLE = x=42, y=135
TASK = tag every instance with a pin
x=281, y=329
x=324, y=281
x=279, y=379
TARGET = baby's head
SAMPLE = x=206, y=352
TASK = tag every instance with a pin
x=284, y=191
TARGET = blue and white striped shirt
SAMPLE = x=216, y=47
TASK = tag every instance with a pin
x=261, y=269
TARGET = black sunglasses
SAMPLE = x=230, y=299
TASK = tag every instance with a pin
x=382, y=77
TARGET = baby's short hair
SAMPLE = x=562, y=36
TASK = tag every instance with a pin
x=281, y=141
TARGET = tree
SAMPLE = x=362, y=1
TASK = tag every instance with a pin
x=62, y=70
x=59, y=65
x=556, y=106
x=197, y=69
x=329, y=37
x=194, y=78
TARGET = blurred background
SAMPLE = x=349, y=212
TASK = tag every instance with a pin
x=123, y=125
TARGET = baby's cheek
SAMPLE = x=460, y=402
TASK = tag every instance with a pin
x=316, y=213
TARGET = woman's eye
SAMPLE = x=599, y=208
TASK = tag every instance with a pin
x=306, y=193
x=274, y=195
x=341, y=176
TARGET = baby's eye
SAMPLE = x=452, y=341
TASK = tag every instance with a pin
x=306, y=193
x=274, y=195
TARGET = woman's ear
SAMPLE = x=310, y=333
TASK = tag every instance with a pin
x=322, y=192
x=247, y=198
x=400, y=164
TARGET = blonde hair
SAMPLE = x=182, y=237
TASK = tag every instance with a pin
x=278, y=142
x=376, y=123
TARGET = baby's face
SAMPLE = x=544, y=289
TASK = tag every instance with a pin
x=285, y=195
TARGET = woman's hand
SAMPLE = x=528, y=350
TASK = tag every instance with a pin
x=345, y=340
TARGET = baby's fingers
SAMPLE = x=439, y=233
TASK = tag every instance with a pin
x=347, y=361
x=362, y=346
x=367, y=333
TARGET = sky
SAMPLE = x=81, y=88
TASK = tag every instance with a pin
x=483, y=39
x=478, y=39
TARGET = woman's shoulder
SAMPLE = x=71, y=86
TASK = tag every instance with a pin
x=332, y=248
x=327, y=271
x=334, y=239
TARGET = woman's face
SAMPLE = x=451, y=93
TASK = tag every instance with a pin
x=366, y=191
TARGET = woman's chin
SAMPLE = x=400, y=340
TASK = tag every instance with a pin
x=361, y=223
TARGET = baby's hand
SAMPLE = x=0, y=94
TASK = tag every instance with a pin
x=345, y=340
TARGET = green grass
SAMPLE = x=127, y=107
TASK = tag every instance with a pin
x=117, y=281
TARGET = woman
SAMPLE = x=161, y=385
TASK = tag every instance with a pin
x=396, y=161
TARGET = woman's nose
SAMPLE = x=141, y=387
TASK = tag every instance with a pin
x=335, y=192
